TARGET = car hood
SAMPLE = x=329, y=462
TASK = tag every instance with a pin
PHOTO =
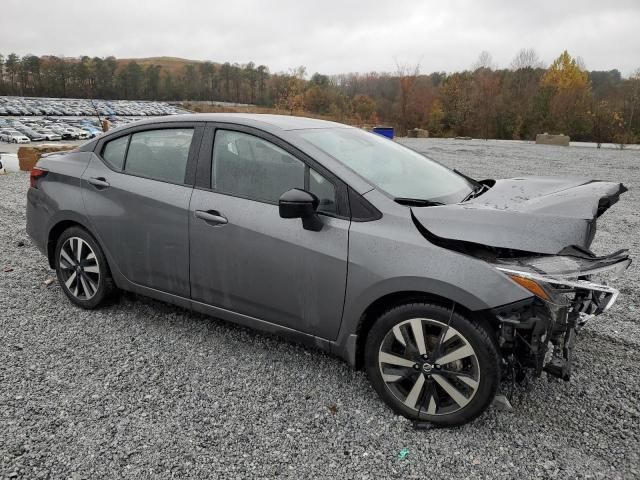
x=533, y=214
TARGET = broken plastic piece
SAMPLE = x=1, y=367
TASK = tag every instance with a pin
x=502, y=403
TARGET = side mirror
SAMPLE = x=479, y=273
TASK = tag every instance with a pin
x=297, y=203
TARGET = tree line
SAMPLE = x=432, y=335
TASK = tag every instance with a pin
x=483, y=101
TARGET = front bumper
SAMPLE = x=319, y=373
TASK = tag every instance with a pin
x=569, y=290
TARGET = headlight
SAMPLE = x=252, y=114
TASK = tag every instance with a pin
x=578, y=280
x=589, y=297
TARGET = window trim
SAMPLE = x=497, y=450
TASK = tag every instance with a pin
x=205, y=166
x=124, y=158
x=192, y=157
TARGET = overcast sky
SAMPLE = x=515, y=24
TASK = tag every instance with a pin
x=329, y=36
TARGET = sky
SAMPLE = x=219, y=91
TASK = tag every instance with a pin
x=329, y=36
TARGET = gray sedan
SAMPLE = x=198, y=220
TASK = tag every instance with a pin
x=437, y=284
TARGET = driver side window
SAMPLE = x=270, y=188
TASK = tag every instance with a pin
x=250, y=167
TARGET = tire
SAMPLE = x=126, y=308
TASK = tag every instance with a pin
x=447, y=385
x=87, y=283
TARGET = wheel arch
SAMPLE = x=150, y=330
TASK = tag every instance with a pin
x=376, y=308
x=58, y=226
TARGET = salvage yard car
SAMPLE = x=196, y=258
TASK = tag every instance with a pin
x=438, y=285
x=13, y=136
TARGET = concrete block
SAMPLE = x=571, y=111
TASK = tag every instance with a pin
x=557, y=140
x=29, y=156
x=418, y=133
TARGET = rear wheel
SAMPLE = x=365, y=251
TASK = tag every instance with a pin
x=428, y=364
x=82, y=269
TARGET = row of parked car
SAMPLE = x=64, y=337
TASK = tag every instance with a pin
x=30, y=129
x=21, y=106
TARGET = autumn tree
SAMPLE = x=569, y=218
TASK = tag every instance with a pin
x=407, y=75
x=2, y=87
x=263, y=73
x=225, y=73
x=456, y=97
x=485, y=88
x=526, y=58
x=521, y=105
x=364, y=108
x=207, y=73
x=601, y=116
x=290, y=96
x=632, y=101
x=484, y=61
x=152, y=81
x=318, y=99
x=485, y=102
x=436, y=116
x=570, y=94
x=251, y=76
x=12, y=64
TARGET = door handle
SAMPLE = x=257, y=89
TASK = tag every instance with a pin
x=211, y=216
x=99, y=182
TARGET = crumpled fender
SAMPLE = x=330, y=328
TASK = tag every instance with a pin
x=534, y=214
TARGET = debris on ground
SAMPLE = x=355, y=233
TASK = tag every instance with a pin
x=502, y=403
x=403, y=453
x=49, y=281
x=7, y=269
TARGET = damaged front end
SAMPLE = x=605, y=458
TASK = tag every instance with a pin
x=537, y=231
x=569, y=289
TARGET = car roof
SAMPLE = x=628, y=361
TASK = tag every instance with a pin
x=281, y=122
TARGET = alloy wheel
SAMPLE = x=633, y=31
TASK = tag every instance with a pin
x=79, y=268
x=429, y=366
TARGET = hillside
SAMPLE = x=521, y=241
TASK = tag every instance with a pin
x=168, y=64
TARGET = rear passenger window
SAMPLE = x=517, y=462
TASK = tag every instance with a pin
x=159, y=154
x=250, y=167
x=114, y=151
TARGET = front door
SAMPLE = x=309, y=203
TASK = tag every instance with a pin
x=247, y=259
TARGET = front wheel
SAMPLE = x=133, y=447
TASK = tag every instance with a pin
x=429, y=364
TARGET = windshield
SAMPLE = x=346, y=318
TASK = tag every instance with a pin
x=397, y=170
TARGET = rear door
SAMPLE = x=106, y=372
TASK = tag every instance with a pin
x=247, y=259
x=136, y=191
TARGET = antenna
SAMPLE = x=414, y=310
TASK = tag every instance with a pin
x=97, y=112
x=104, y=125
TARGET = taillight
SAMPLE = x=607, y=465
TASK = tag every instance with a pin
x=36, y=173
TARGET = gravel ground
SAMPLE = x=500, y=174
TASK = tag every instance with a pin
x=142, y=389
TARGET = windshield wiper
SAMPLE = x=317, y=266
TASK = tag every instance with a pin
x=417, y=202
x=478, y=187
x=472, y=181
x=477, y=191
